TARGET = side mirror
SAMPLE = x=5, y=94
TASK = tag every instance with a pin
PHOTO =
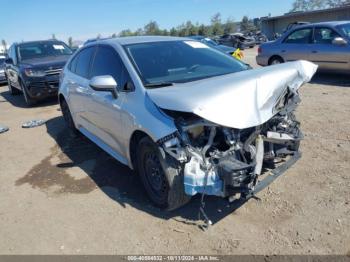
x=9, y=61
x=339, y=41
x=104, y=83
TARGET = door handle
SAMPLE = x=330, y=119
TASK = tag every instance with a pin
x=314, y=52
x=283, y=51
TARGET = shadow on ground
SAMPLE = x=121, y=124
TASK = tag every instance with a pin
x=332, y=79
x=105, y=173
x=18, y=100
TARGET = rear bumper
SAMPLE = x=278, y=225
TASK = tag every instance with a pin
x=262, y=60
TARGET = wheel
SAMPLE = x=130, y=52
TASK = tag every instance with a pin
x=275, y=60
x=29, y=101
x=68, y=118
x=13, y=91
x=161, y=176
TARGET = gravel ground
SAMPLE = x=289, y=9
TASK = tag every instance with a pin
x=60, y=195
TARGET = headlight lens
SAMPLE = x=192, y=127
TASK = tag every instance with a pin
x=34, y=73
x=2, y=71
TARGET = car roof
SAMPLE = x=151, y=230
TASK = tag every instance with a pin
x=139, y=39
x=330, y=23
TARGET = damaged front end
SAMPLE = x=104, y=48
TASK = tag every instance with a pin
x=224, y=161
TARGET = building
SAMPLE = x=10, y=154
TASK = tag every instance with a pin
x=277, y=24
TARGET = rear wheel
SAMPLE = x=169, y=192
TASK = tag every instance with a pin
x=275, y=60
x=161, y=176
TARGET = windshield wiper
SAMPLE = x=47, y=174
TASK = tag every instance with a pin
x=159, y=84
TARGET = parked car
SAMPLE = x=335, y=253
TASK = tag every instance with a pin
x=237, y=40
x=325, y=44
x=33, y=68
x=2, y=70
x=223, y=48
x=188, y=118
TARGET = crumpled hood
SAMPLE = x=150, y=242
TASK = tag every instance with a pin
x=240, y=100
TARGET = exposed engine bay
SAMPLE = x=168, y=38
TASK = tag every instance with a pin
x=224, y=161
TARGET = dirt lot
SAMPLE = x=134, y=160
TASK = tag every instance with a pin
x=64, y=196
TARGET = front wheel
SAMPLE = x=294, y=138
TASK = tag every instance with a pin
x=68, y=118
x=29, y=101
x=161, y=176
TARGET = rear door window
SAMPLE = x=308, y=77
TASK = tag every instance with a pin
x=301, y=36
x=83, y=61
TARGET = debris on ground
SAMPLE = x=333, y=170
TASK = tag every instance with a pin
x=3, y=129
x=33, y=123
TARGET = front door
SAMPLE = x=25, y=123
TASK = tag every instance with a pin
x=297, y=45
x=327, y=55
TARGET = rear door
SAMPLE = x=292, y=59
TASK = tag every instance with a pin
x=326, y=54
x=78, y=85
x=297, y=45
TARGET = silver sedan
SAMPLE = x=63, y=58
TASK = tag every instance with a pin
x=188, y=118
x=325, y=44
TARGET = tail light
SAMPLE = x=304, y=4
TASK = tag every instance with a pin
x=259, y=50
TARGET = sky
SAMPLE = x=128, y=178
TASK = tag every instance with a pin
x=23, y=20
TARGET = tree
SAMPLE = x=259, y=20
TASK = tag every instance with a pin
x=114, y=35
x=229, y=26
x=98, y=36
x=152, y=28
x=216, y=26
x=4, y=44
x=173, y=32
x=70, y=41
x=247, y=25
x=126, y=32
x=310, y=5
x=53, y=36
x=203, y=30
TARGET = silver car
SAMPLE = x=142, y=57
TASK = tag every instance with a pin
x=188, y=118
x=325, y=44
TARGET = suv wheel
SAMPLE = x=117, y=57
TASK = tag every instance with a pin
x=162, y=177
x=68, y=118
x=13, y=90
x=29, y=101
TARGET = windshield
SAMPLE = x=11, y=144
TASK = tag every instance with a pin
x=43, y=49
x=345, y=29
x=179, y=62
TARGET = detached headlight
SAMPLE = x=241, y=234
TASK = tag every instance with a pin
x=34, y=73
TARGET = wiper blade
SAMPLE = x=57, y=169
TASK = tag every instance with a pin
x=159, y=84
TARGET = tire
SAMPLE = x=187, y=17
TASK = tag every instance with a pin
x=13, y=91
x=275, y=60
x=67, y=116
x=161, y=176
x=29, y=101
